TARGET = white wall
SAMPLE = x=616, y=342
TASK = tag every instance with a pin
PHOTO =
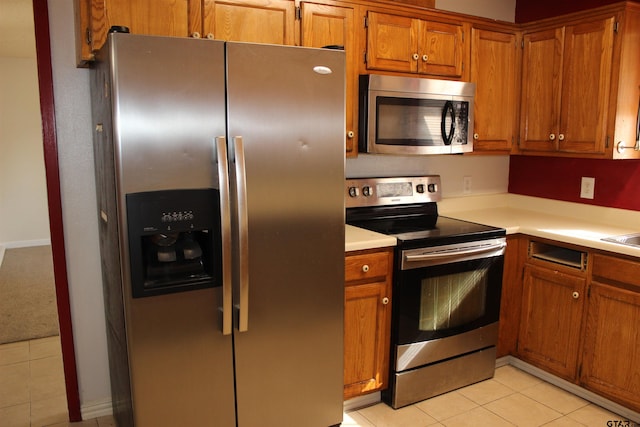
x=24, y=216
x=77, y=182
x=503, y=10
x=74, y=132
x=489, y=174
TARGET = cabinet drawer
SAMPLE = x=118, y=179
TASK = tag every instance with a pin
x=618, y=269
x=366, y=266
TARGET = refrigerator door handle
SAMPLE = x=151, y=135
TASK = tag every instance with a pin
x=243, y=234
x=225, y=226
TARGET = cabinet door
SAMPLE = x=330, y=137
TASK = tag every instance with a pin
x=440, y=48
x=494, y=59
x=177, y=18
x=392, y=42
x=586, y=83
x=611, y=361
x=541, y=83
x=366, y=338
x=552, y=306
x=324, y=25
x=256, y=21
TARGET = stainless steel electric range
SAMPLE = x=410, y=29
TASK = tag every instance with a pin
x=447, y=282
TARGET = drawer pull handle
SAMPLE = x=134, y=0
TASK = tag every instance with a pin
x=385, y=300
x=365, y=268
x=575, y=295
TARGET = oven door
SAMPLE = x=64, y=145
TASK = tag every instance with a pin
x=449, y=304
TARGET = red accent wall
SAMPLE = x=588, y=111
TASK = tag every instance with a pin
x=617, y=182
x=531, y=10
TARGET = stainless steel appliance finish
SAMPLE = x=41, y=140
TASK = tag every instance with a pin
x=632, y=239
x=412, y=115
x=446, y=287
x=243, y=145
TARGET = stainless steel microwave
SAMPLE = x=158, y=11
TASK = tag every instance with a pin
x=411, y=115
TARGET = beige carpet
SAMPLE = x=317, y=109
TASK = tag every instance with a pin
x=27, y=295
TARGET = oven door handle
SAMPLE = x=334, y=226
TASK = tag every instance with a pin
x=450, y=253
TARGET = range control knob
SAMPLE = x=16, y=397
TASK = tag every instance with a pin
x=366, y=191
x=354, y=192
x=420, y=188
x=432, y=188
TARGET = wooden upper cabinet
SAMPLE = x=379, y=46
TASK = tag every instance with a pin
x=494, y=69
x=410, y=45
x=158, y=17
x=259, y=21
x=587, y=63
x=334, y=26
x=256, y=21
x=566, y=85
x=540, y=99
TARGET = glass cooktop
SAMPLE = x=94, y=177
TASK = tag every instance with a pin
x=429, y=230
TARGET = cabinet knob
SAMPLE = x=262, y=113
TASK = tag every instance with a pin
x=476, y=136
x=350, y=134
x=365, y=268
x=425, y=58
x=575, y=295
x=552, y=136
x=561, y=137
x=195, y=35
x=385, y=300
x=415, y=56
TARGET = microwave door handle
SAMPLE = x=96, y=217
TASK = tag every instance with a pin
x=448, y=109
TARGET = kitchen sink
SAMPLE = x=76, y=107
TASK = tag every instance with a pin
x=632, y=239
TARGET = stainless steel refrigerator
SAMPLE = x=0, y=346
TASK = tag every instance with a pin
x=219, y=171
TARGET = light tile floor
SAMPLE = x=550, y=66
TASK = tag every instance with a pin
x=511, y=398
x=32, y=394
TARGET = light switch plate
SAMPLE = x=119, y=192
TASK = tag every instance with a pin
x=587, y=187
x=466, y=185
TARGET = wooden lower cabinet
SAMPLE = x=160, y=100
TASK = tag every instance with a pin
x=611, y=355
x=580, y=324
x=552, y=306
x=367, y=321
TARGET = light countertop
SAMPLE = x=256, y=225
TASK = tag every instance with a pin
x=574, y=223
x=357, y=239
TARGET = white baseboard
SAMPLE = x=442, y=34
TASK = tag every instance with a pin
x=26, y=243
x=361, y=401
x=96, y=409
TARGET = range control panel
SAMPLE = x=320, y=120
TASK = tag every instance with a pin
x=361, y=192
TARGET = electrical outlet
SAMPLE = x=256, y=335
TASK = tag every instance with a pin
x=466, y=185
x=587, y=187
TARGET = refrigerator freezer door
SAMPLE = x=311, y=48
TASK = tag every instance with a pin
x=168, y=109
x=287, y=105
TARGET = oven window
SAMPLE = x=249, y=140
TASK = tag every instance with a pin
x=453, y=300
x=443, y=300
